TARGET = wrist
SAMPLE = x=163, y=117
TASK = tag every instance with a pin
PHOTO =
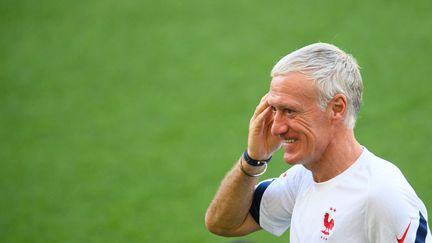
x=251, y=170
x=254, y=162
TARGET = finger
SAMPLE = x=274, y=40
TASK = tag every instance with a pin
x=264, y=116
x=260, y=109
x=261, y=106
x=269, y=118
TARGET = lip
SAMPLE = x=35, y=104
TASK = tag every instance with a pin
x=290, y=144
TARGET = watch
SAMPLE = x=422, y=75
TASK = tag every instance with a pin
x=254, y=162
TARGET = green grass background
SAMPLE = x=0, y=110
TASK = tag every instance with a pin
x=118, y=119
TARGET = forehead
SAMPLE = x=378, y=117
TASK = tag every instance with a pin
x=293, y=87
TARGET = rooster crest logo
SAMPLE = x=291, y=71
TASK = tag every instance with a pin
x=329, y=224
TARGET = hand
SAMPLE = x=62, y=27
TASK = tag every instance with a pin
x=261, y=143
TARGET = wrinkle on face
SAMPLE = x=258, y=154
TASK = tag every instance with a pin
x=298, y=92
x=294, y=91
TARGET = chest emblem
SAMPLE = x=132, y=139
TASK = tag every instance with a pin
x=329, y=224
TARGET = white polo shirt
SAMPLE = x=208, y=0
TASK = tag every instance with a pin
x=369, y=202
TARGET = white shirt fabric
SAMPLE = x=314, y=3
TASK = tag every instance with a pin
x=369, y=202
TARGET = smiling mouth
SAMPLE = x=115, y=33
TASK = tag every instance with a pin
x=289, y=141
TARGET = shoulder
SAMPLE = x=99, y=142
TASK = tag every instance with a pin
x=286, y=184
x=390, y=195
x=296, y=175
x=280, y=191
x=283, y=191
x=391, y=199
x=274, y=199
x=387, y=182
x=295, y=179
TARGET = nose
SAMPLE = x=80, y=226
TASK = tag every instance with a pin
x=280, y=124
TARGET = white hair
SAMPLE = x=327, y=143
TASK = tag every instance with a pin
x=333, y=71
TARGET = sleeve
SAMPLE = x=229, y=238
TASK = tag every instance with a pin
x=273, y=203
x=396, y=214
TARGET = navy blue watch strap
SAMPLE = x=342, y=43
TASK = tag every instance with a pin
x=254, y=162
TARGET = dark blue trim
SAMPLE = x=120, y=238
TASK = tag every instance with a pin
x=256, y=200
x=422, y=230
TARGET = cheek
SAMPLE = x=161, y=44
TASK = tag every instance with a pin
x=303, y=126
x=312, y=132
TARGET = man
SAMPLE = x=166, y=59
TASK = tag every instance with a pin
x=336, y=190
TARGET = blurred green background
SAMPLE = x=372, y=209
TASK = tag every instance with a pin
x=118, y=119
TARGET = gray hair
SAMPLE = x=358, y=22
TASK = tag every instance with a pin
x=333, y=71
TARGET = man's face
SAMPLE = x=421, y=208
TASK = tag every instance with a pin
x=297, y=119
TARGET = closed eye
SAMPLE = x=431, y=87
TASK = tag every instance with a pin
x=289, y=111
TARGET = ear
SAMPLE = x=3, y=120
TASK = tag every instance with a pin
x=339, y=105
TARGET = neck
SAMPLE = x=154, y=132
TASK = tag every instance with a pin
x=339, y=155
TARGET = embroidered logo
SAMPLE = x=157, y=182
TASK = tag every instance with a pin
x=329, y=224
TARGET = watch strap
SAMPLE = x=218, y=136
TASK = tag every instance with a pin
x=254, y=162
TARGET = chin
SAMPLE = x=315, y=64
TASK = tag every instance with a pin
x=291, y=160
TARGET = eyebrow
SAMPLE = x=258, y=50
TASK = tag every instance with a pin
x=292, y=105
